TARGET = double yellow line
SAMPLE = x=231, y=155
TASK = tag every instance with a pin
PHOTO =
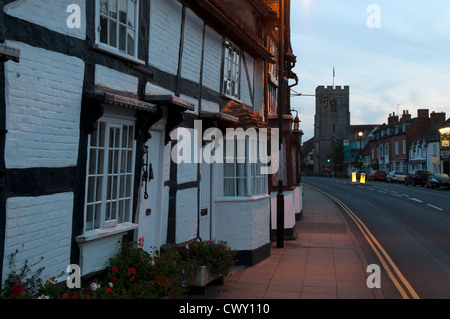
x=403, y=286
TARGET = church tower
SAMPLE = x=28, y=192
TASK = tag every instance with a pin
x=332, y=123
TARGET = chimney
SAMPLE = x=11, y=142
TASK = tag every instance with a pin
x=405, y=116
x=392, y=118
x=437, y=118
x=422, y=113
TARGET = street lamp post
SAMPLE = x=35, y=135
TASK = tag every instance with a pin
x=280, y=195
x=360, y=134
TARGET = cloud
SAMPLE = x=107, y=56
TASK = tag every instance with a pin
x=403, y=65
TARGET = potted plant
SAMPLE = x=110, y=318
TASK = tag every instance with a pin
x=213, y=260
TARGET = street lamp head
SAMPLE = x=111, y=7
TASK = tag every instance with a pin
x=360, y=134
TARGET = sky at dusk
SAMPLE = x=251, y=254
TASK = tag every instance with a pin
x=394, y=55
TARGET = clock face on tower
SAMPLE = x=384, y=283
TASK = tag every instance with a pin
x=326, y=102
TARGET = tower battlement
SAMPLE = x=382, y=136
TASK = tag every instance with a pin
x=330, y=89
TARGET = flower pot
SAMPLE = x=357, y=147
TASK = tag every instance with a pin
x=203, y=277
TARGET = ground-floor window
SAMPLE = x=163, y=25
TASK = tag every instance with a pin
x=110, y=174
x=242, y=169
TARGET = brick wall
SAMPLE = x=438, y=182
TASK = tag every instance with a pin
x=49, y=14
x=39, y=227
x=165, y=26
x=43, y=105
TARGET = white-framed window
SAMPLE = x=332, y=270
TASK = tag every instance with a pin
x=396, y=148
x=110, y=174
x=231, y=70
x=117, y=26
x=404, y=147
x=242, y=170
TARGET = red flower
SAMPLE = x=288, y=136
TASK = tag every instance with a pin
x=17, y=290
x=52, y=278
x=141, y=242
x=113, y=279
x=114, y=269
x=108, y=290
x=132, y=271
x=65, y=296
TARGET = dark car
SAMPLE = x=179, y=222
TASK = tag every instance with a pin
x=438, y=180
x=417, y=177
x=377, y=175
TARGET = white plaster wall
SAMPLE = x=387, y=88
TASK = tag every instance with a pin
x=94, y=255
x=186, y=210
x=165, y=31
x=212, y=61
x=115, y=80
x=289, y=209
x=43, y=104
x=192, y=47
x=39, y=227
x=246, y=89
x=242, y=223
x=49, y=14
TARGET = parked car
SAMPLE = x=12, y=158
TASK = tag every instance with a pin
x=417, y=177
x=438, y=180
x=396, y=177
x=377, y=175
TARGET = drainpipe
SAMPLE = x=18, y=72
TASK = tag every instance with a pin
x=280, y=195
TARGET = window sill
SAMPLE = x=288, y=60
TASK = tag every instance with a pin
x=241, y=198
x=106, y=49
x=102, y=233
x=233, y=98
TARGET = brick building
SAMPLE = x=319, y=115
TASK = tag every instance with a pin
x=389, y=148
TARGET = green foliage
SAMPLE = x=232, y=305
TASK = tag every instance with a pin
x=133, y=273
x=219, y=257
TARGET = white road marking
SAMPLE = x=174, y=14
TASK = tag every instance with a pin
x=438, y=208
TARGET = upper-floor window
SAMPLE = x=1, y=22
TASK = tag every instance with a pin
x=117, y=26
x=231, y=70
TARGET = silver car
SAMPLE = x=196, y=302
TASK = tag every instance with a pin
x=396, y=176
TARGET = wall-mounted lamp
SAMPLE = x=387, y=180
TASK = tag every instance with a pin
x=296, y=121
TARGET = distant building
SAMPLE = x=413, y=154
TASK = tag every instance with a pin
x=332, y=124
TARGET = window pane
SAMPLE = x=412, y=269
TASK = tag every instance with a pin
x=130, y=42
x=229, y=187
x=113, y=9
x=91, y=190
x=229, y=170
x=101, y=133
x=129, y=161
x=129, y=183
x=123, y=11
x=112, y=33
x=92, y=161
x=241, y=187
x=104, y=6
x=122, y=38
x=122, y=187
x=101, y=161
x=99, y=194
x=131, y=14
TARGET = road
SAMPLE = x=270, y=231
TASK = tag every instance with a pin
x=412, y=224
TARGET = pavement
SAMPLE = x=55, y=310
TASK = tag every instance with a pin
x=324, y=261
